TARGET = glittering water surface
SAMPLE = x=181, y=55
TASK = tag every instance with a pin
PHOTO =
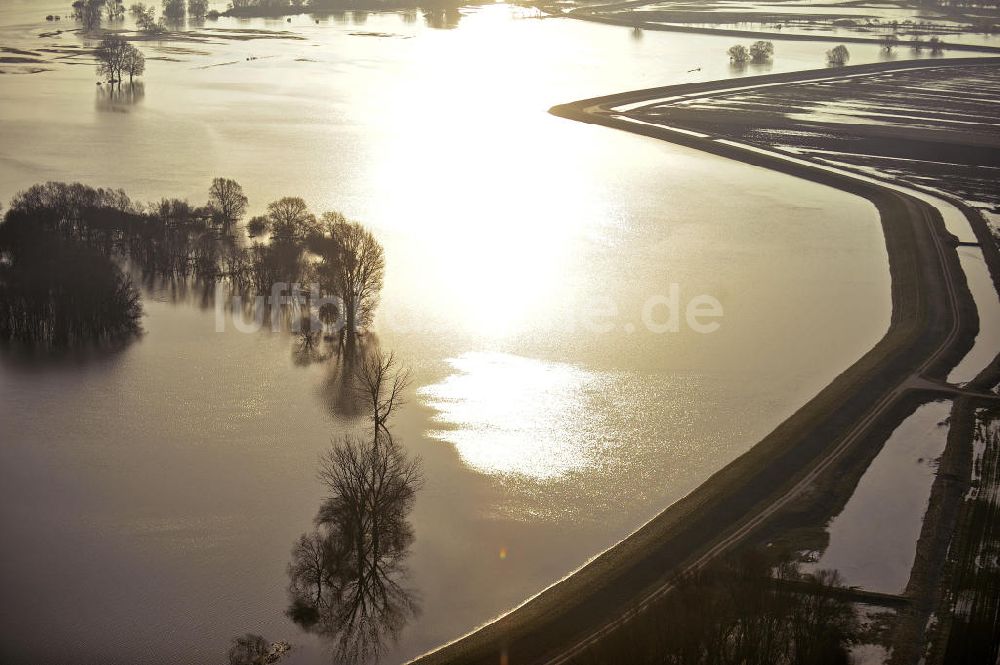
x=149, y=498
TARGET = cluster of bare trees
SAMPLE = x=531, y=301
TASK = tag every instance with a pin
x=56, y=285
x=194, y=246
x=349, y=261
x=117, y=57
x=90, y=13
x=890, y=40
x=347, y=576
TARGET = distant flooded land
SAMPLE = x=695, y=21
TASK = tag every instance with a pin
x=337, y=331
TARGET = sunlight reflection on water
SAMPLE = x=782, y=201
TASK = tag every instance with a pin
x=510, y=415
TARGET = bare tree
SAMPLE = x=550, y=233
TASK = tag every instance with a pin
x=133, y=62
x=372, y=487
x=347, y=579
x=380, y=382
x=355, y=269
x=111, y=56
x=290, y=220
x=309, y=570
x=227, y=199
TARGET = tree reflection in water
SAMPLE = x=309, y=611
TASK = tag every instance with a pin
x=347, y=577
x=117, y=98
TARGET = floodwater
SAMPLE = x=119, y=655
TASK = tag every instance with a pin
x=149, y=497
x=873, y=541
x=988, y=306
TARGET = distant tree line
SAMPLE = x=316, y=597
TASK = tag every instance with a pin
x=286, y=7
x=91, y=13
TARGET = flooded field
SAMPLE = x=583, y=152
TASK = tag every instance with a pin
x=941, y=139
x=874, y=539
x=817, y=20
x=162, y=486
x=968, y=624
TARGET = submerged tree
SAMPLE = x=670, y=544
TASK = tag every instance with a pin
x=353, y=267
x=56, y=287
x=197, y=8
x=347, y=578
x=134, y=63
x=380, y=384
x=290, y=221
x=738, y=54
x=227, y=199
x=173, y=10
x=145, y=19
x=117, y=57
x=88, y=13
x=258, y=226
x=115, y=9
x=761, y=51
x=888, y=42
x=838, y=56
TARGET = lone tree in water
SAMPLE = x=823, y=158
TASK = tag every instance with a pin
x=227, y=200
x=888, y=42
x=761, y=51
x=738, y=54
x=838, y=56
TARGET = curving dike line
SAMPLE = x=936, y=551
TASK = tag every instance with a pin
x=933, y=324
